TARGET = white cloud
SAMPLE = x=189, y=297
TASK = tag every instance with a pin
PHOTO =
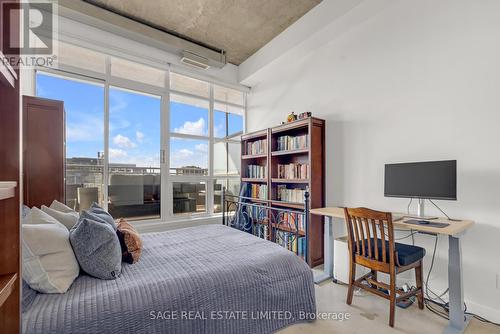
x=183, y=154
x=139, y=136
x=123, y=141
x=192, y=128
x=185, y=157
x=117, y=153
x=203, y=148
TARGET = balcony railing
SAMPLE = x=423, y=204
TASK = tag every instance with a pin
x=133, y=192
x=78, y=169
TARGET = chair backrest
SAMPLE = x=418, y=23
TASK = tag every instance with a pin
x=367, y=231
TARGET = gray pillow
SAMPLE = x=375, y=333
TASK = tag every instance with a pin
x=96, y=248
x=101, y=215
x=29, y=296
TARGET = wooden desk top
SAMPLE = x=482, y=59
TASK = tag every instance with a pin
x=454, y=228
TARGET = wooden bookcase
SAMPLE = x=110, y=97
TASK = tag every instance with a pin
x=313, y=154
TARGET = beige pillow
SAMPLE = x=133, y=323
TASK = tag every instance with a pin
x=68, y=219
x=49, y=264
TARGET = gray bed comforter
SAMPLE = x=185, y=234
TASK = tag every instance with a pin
x=209, y=279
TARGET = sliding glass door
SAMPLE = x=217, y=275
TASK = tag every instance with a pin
x=134, y=190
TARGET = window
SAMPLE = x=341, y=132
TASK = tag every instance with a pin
x=228, y=95
x=182, y=83
x=80, y=57
x=134, y=187
x=232, y=186
x=84, y=136
x=188, y=157
x=133, y=71
x=189, y=197
x=188, y=115
x=228, y=120
x=227, y=157
x=172, y=144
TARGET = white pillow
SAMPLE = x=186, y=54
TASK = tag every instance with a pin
x=49, y=264
x=68, y=219
x=61, y=207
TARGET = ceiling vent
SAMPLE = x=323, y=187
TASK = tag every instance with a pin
x=194, y=60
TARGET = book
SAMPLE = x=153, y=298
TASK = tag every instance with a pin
x=259, y=191
x=286, y=143
x=257, y=171
x=293, y=171
x=294, y=195
x=257, y=147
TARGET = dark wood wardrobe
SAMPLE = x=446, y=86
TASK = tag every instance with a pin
x=43, y=151
x=10, y=167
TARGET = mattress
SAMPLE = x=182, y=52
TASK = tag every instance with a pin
x=207, y=279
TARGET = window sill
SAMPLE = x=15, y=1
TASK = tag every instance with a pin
x=146, y=226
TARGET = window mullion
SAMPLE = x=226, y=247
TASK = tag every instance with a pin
x=166, y=196
x=208, y=187
x=105, y=167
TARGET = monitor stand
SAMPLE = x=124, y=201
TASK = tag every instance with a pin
x=420, y=212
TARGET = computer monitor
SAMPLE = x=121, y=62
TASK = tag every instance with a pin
x=422, y=180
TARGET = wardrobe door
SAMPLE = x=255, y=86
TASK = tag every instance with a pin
x=43, y=151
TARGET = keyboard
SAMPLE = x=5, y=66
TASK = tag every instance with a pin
x=426, y=223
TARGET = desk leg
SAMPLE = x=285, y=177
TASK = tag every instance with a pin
x=327, y=253
x=458, y=320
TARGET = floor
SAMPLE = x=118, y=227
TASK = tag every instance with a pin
x=370, y=314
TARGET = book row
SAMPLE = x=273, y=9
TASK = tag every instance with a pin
x=290, y=242
x=293, y=220
x=294, y=195
x=256, y=171
x=257, y=147
x=259, y=191
x=292, y=142
x=293, y=171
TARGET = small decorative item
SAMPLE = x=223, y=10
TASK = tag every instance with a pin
x=292, y=117
x=305, y=115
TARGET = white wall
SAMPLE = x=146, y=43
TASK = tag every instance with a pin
x=411, y=81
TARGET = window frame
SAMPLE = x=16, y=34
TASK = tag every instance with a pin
x=167, y=180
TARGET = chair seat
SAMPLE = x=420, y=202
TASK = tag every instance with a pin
x=407, y=254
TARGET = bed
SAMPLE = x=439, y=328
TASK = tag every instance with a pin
x=207, y=279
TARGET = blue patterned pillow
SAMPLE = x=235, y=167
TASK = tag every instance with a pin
x=96, y=248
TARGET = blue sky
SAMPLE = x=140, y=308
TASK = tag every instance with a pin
x=134, y=126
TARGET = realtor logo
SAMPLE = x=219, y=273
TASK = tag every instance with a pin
x=36, y=35
x=29, y=33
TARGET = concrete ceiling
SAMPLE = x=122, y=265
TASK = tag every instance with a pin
x=240, y=27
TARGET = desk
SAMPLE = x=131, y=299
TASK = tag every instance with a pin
x=458, y=320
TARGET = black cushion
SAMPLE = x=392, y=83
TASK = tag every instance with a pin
x=407, y=254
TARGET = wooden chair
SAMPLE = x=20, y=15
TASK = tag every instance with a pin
x=368, y=231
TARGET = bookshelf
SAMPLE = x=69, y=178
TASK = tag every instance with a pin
x=293, y=159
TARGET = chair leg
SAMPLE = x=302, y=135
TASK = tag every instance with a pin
x=419, y=281
x=352, y=277
x=375, y=277
x=392, y=297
